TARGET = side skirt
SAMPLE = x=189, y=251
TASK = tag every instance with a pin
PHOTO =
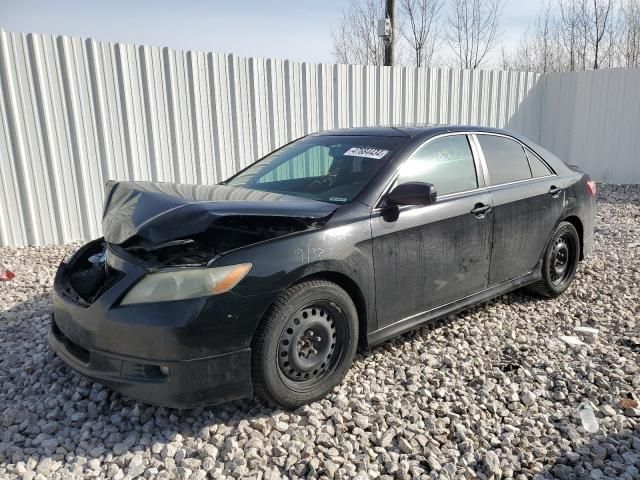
x=409, y=323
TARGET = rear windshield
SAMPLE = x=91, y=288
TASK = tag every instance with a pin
x=327, y=168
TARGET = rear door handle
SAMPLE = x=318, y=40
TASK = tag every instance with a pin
x=554, y=191
x=480, y=210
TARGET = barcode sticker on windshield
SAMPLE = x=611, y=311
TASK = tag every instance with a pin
x=376, y=153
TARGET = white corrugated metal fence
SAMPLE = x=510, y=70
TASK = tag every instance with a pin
x=592, y=119
x=75, y=113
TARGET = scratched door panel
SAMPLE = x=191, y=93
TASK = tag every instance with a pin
x=429, y=256
x=524, y=217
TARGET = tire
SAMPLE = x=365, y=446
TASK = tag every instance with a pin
x=291, y=364
x=560, y=262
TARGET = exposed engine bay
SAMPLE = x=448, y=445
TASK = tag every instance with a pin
x=89, y=274
x=165, y=225
x=226, y=234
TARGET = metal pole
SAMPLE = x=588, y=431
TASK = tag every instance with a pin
x=390, y=7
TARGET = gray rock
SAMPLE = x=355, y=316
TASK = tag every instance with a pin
x=563, y=472
x=405, y=446
x=527, y=398
x=119, y=448
x=97, y=451
x=573, y=456
x=361, y=421
x=45, y=466
x=492, y=462
x=168, y=451
x=607, y=410
x=50, y=443
x=632, y=471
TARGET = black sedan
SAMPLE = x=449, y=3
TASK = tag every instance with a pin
x=268, y=282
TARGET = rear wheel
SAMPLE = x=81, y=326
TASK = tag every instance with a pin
x=305, y=344
x=559, y=263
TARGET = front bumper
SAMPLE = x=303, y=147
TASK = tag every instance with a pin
x=186, y=384
x=203, y=343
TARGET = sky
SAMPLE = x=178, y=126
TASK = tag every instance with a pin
x=296, y=30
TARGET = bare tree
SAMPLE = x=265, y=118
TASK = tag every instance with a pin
x=546, y=40
x=356, y=40
x=472, y=30
x=599, y=21
x=611, y=53
x=524, y=58
x=421, y=28
x=537, y=50
x=565, y=35
x=571, y=32
x=591, y=34
x=629, y=41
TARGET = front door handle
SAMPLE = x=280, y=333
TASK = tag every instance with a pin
x=480, y=210
x=554, y=191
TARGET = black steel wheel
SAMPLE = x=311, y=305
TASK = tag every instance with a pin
x=305, y=344
x=312, y=343
x=560, y=262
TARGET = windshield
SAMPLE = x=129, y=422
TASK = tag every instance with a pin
x=327, y=168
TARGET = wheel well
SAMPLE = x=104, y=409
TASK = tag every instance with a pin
x=575, y=221
x=354, y=292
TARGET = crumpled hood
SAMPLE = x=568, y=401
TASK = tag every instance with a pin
x=160, y=212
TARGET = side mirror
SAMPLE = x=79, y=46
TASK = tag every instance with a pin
x=412, y=193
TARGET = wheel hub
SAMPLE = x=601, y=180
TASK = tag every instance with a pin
x=559, y=260
x=306, y=344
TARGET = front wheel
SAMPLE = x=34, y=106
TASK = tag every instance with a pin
x=560, y=262
x=305, y=344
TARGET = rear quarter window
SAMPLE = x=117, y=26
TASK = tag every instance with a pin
x=505, y=158
x=538, y=167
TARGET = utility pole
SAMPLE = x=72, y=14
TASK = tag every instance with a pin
x=390, y=8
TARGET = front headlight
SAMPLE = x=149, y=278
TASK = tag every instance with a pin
x=187, y=283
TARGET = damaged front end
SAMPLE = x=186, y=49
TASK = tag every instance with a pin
x=150, y=308
x=87, y=275
x=166, y=224
x=158, y=225
x=227, y=233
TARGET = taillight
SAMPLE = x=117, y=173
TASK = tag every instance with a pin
x=591, y=187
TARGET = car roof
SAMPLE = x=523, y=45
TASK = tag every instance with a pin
x=410, y=131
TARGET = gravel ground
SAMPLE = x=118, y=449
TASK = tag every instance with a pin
x=489, y=393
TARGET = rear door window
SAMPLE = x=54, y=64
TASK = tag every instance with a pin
x=505, y=159
x=445, y=162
